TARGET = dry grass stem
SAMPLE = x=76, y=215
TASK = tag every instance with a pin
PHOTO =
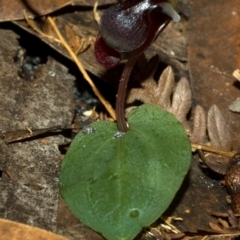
x=33, y=25
x=81, y=68
x=211, y=150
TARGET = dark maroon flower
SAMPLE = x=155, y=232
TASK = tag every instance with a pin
x=127, y=29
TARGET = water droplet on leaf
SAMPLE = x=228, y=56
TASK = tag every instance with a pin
x=88, y=130
x=118, y=134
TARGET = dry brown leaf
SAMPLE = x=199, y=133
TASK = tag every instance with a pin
x=165, y=86
x=77, y=44
x=182, y=101
x=73, y=39
x=152, y=92
x=13, y=9
x=220, y=138
x=222, y=226
x=223, y=223
x=160, y=93
x=233, y=219
x=216, y=227
x=199, y=129
x=217, y=130
x=18, y=231
x=164, y=232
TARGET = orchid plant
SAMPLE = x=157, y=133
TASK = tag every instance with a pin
x=116, y=178
x=127, y=29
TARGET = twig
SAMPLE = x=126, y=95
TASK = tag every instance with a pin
x=212, y=150
x=81, y=68
x=10, y=175
x=121, y=95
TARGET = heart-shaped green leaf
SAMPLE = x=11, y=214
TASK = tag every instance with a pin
x=118, y=183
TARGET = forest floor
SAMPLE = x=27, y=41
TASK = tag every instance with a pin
x=44, y=101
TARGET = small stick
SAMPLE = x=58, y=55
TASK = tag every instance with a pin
x=212, y=150
x=10, y=175
x=121, y=95
x=106, y=104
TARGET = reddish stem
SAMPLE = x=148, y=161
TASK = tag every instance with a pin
x=121, y=95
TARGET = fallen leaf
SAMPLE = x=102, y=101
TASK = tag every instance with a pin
x=220, y=138
x=199, y=129
x=218, y=130
x=182, y=102
x=18, y=231
x=165, y=87
x=177, y=101
x=14, y=9
x=73, y=39
x=216, y=227
x=152, y=92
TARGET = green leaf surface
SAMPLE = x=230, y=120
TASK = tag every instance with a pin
x=119, y=183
